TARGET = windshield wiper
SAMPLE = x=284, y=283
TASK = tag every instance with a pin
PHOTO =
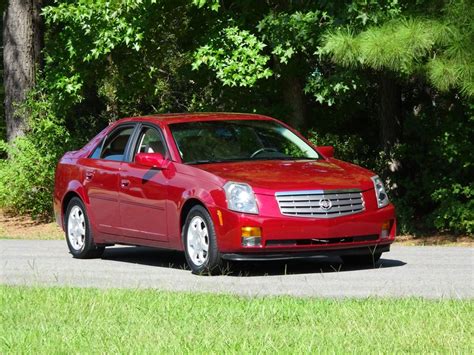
x=203, y=161
x=303, y=158
x=211, y=161
x=284, y=158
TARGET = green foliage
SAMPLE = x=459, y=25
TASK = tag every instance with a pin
x=214, y=5
x=453, y=67
x=109, y=59
x=372, y=12
x=88, y=31
x=433, y=188
x=441, y=48
x=327, y=89
x=27, y=176
x=104, y=23
x=350, y=148
x=292, y=33
x=236, y=56
x=117, y=58
x=456, y=208
x=399, y=45
x=453, y=190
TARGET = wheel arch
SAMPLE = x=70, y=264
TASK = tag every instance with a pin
x=187, y=206
x=75, y=189
x=67, y=198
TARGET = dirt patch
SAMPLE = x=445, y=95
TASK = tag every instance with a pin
x=20, y=227
x=437, y=239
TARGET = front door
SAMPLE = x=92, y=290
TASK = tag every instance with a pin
x=143, y=191
x=101, y=179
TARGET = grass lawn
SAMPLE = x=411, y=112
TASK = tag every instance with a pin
x=68, y=320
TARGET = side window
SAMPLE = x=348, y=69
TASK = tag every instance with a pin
x=150, y=141
x=97, y=150
x=115, y=144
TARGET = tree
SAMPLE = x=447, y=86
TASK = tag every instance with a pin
x=370, y=77
x=22, y=40
x=438, y=50
x=275, y=46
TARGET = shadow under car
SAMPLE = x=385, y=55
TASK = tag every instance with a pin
x=176, y=260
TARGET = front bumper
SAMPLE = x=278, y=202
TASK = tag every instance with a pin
x=284, y=234
x=321, y=253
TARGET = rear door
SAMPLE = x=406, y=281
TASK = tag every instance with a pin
x=101, y=178
x=143, y=190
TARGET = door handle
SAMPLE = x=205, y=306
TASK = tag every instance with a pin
x=89, y=175
x=124, y=183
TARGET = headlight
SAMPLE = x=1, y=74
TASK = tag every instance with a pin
x=240, y=197
x=380, y=194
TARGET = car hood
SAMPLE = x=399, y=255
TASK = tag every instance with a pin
x=268, y=177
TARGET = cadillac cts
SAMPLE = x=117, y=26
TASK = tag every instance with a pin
x=219, y=186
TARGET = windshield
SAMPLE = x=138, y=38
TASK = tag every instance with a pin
x=221, y=141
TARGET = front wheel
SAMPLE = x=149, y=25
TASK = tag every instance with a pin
x=200, y=242
x=78, y=232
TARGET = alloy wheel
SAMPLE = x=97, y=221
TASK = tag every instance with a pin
x=198, y=241
x=76, y=228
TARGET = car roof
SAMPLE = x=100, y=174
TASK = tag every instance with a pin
x=170, y=118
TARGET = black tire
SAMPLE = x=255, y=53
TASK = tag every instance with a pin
x=362, y=260
x=85, y=248
x=212, y=263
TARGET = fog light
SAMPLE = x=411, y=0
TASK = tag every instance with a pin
x=385, y=229
x=251, y=236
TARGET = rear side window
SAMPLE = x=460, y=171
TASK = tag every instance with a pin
x=116, y=144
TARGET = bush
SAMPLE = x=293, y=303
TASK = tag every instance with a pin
x=456, y=208
x=432, y=188
x=350, y=148
x=27, y=176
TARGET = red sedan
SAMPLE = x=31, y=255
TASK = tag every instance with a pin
x=220, y=186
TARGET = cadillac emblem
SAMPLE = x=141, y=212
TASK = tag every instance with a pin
x=325, y=204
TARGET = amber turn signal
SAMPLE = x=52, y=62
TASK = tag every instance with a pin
x=219, y=215
x=251, y=232
x=385, y=229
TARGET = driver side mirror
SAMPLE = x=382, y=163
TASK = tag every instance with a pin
x=326, y=150
x=151, y=160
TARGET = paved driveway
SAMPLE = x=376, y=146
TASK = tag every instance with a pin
x=433, y=272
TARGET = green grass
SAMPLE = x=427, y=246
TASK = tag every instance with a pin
x=64, y=320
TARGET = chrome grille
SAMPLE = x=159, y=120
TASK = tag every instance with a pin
x=319, y=203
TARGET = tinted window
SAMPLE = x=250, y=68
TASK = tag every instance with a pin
x=116, y=143
x=150, y=141
x=220, y=141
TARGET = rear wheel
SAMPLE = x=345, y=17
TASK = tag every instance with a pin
x=362, y=260
x=200, y=242
x=78, y=232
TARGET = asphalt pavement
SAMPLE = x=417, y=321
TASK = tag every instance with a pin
x=426, y=271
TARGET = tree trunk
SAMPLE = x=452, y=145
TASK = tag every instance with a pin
x=390, y=121
x=294, y=98
x=390, y=112
x=292, y=92
x=22, y=40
